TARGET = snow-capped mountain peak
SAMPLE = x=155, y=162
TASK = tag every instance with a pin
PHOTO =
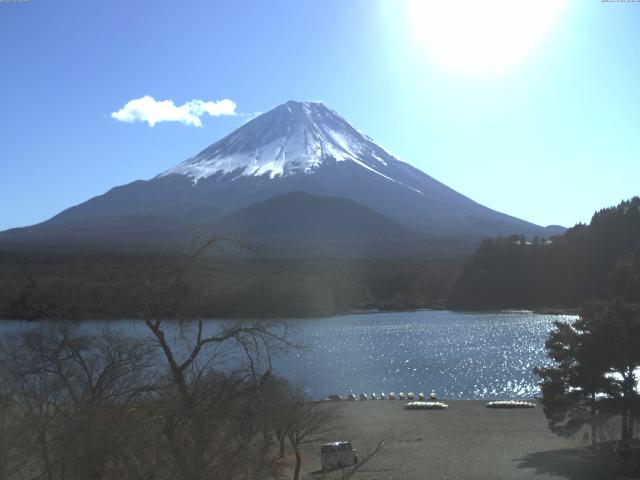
x=293, y=138
x=301, y=158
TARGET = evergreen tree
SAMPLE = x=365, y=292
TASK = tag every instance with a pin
x=565, y=272
x=596, y=362
x=571, y=387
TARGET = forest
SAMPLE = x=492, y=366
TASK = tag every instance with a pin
x=591, y=386
x=504, y=272
x=112, y=286
x=562, y=271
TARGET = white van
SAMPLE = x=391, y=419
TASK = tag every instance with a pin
x=337, y=454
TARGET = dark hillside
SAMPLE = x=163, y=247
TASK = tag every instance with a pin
x=112, y=286
x=562, y=271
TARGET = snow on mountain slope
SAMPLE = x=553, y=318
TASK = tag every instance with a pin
x=295, y=147
x=293, y=138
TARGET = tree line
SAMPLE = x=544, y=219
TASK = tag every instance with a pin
x=563, y=271
x=98, y=286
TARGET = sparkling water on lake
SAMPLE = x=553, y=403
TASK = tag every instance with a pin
x=458, y=355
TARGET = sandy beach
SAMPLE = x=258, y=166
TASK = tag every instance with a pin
x=467, y=441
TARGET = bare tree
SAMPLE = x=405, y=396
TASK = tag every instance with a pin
x=307, y=421
x=213, y=409
x=216, y=374
x=280, y=399
x=70, y=392
x=9, y=461
x=190, y=400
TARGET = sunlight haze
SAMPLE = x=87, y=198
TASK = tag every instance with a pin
x=480, y=37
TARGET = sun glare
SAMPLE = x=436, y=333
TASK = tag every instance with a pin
x=481, y=36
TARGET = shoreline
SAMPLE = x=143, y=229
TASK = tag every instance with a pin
x=344, y=400
x=537, y=311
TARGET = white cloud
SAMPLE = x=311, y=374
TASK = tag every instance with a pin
x=148, y=109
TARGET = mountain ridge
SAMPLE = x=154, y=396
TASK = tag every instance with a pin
x=296, y=146
x=320, y=215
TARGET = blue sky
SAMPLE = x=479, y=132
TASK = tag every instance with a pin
x=549, y=137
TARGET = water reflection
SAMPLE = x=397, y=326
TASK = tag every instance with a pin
x=458, y=355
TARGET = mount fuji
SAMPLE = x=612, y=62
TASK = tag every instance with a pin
x=299, y=175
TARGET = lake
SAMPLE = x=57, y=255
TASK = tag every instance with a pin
x=457, y=355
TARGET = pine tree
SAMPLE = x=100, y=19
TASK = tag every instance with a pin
x=596, y=360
